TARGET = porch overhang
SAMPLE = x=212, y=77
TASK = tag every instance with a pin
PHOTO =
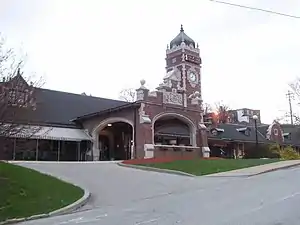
x=49, y=133
x=111, y=110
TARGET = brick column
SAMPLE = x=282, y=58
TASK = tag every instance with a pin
x=204, y=142
x=144, y=146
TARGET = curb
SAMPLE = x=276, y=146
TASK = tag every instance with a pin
x=275, y=169
x=156, y=169
x=214, y=175
x=67, y=209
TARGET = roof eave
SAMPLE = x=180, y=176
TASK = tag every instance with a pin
x=88, y=116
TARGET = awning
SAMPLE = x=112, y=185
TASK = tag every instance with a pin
x=50, y=133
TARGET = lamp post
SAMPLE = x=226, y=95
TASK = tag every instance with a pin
x=255, y=118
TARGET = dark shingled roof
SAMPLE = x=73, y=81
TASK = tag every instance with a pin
x=231, y=133
x=56, y=107
x=294, y=131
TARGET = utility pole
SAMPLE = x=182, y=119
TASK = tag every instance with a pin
x=290, y=97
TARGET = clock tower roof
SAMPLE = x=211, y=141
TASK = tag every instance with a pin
x=182, y=37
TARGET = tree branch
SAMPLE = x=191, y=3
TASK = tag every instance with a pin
x=128, y=95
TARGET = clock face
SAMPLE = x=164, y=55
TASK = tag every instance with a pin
x=193, y=77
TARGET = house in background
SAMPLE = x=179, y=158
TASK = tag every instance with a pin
x=161, y=123
x=243, y=116
x=233, y=116
x=238, y=140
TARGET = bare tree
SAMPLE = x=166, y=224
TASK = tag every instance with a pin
x=17, y=94
x=207, y=108
x=223, y=112
x=128, y=95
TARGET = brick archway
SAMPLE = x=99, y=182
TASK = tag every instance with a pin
x=101, y=126
x=189, y=122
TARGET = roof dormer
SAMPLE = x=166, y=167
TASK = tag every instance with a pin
x=244, y=130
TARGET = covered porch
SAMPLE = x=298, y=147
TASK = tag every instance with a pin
x=47, y=144
x=226, y=148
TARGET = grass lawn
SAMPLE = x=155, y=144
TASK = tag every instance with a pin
x=25, y=192
x=207, y=166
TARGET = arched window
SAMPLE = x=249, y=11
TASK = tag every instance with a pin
x=172, y=131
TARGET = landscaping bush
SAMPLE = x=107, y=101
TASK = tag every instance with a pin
x=286, y=153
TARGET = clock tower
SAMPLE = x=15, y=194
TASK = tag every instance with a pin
x=183, y=58
x=177, y=98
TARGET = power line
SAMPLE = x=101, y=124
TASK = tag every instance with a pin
x=257, y=9
x=290, y=96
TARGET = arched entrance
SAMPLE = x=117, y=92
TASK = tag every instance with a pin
x=113, y=140
x=173, y=129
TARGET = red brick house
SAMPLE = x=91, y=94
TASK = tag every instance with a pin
x=161, y=123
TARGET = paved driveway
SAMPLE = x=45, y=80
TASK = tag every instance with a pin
x=127, y=196
x=112, y=185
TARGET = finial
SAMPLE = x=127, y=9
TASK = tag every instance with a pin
x=197, y=45
x=142, y=82
x=181, y=28
x=19, y=71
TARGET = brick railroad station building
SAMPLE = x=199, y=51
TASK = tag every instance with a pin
x=161, y=123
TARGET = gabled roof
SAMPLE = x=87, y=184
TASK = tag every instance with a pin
x=108, y=110
x=60, y=108
x=56, y=107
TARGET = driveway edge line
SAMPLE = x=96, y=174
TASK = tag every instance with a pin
x=67, y=209
x=153, y=169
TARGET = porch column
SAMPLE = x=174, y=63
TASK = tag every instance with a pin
x=95, y=148
x=14, y=149
x=204, y=140
x=37, y=150
x=78, y=151
x=58, y=151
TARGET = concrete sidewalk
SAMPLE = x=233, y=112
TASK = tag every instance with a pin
x=256, y=170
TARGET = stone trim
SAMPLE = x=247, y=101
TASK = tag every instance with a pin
x=205, y=152
x=149, y=151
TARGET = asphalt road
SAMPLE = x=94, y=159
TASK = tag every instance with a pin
x=127, y=196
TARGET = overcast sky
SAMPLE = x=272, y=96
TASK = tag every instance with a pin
x=100, y=47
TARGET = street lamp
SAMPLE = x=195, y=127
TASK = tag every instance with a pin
x=255, y=118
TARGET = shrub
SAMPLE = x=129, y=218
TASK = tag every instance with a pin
x=286, y=153
x=274, y=149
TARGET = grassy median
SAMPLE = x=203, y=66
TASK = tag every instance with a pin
x=207, y=166
x=25, y=192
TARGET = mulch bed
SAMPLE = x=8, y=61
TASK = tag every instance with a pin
x=162, y=160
